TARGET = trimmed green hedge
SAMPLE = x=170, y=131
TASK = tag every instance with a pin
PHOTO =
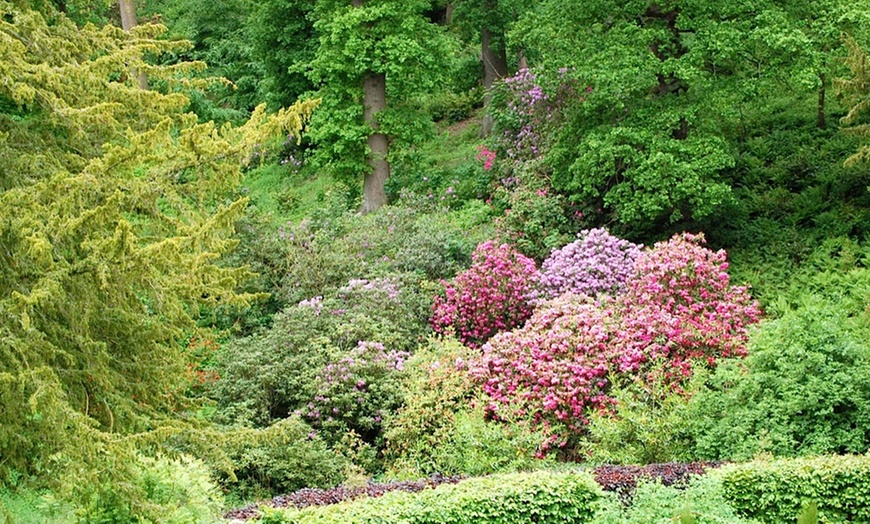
x=774, y=491
x=539, y=497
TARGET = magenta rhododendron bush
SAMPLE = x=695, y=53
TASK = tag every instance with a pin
x=553, y=368
x=493, y=295
x=680, y=306
x=597, y=262
x=678, y=309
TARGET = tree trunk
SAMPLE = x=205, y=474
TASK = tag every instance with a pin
x=494, y=68
x=821, y=121
x=128, y=22
x=375, y=101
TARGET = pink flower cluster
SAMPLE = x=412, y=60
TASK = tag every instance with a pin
x=678, y=308
x=487, y=156
x=555, y=367
x=493, y=295
x=597, y=262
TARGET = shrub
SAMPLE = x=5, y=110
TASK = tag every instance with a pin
x=680, y=306
x=441, y=428
x=173, y=491
x=282, y=458
x=356, y=392
x=534, y=218
x=436, y=388
x=541, y=497
x=802, y=390
x=493, y=295
x=776, y=491
x=647, y=424
x=553, y=369
x=701, y=501
x=269, y=375
x=597, y=262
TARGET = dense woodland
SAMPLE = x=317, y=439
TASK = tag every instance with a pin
x=249, y=247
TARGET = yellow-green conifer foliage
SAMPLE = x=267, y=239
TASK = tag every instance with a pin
x=856, y=93
x=115, y=208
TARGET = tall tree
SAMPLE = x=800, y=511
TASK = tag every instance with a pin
x=667, y=81
x=374, y=55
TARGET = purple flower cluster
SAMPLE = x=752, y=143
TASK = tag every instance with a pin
x=356, y=391
x=597, y=262
x=381, y=287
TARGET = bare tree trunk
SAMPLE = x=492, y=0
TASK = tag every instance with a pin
x=494, y=68
x=448, y=17
x=821, y=121
x=128, y=22
x=522, y=61
x=375, y=101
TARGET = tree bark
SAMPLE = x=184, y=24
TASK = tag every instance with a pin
x=494, y=67
x=375, y=101
x=821, y=120
x=128, y=22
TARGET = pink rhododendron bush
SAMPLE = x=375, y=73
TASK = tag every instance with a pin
x=680, y=306
x=555, y=367
x=493, y=295
x=678, y=309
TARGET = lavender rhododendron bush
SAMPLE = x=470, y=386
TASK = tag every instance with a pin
x=597, y=262
x=493, y=295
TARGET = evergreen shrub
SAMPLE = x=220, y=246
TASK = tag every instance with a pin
x=539, y=497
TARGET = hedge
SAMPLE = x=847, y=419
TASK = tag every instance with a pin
x=774, y=491
x=517, y=498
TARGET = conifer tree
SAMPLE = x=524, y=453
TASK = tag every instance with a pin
x=855, y=92
x=115, y=209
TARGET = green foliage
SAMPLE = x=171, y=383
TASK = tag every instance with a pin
x=269, y=375
x=21, y=505
x=442, y=428
x=388, y=37
x=114, y=210
x=801, y=391
x=284, y=48
x=702, y=501
x=217, y=34
x=648, y=425
x=542, y=497
x=282, y=458
x=855, y=93
x=776, y=491
x=178, y=491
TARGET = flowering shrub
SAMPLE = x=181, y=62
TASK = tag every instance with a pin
x=486, y=156
x=678, y=309
x=356, y=392
x=555, y=367
x=597, y=262
x=493, y=295
x=680, y=306
x=530, y=108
